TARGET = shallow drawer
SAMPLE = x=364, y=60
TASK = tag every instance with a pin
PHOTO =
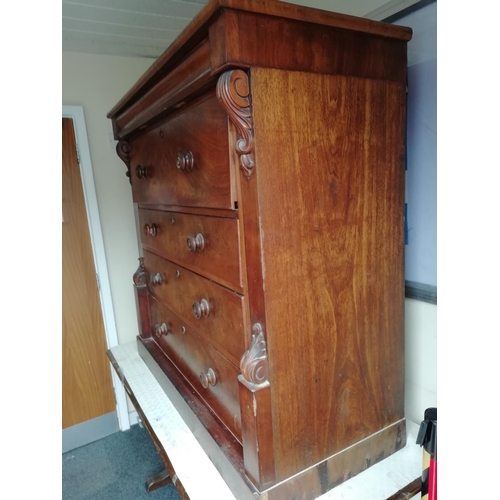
x=213, y=377
x=184, y=161
x=212, y=310
x=207, y=245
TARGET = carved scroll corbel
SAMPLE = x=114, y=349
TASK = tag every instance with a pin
x=233, y=92
x=253, y=364
x=123, y=151
x=140, y=275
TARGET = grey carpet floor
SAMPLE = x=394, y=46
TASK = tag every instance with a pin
x=114, y=468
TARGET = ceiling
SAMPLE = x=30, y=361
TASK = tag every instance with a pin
x=145, y=28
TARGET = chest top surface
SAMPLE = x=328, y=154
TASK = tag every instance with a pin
x=258, y=33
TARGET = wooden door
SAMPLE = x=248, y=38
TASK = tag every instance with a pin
x=87, y=389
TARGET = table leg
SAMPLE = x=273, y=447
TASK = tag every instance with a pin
x=158, y=480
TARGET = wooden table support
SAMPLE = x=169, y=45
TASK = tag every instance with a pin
x=158, y=480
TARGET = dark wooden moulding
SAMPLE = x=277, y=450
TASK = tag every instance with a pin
x=242, y=49
x=236, y=33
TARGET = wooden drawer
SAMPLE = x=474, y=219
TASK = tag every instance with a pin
x=195, y=358
x=184, y=161
x=207, y=245
x=219, y=310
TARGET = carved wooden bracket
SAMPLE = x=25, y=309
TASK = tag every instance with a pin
x=233, y=92
x=140, y=278
x=253, y=364
x=123, y=151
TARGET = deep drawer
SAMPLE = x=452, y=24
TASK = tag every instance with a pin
x=207, y=245
x=209, y=308
x=185, y=161
x=212, y=376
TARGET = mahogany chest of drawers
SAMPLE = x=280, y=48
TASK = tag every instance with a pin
x=265, y=150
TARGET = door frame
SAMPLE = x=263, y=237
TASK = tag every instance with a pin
x=97, y=242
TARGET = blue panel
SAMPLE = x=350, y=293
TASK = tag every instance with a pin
x=406, y=223
x=421, y=178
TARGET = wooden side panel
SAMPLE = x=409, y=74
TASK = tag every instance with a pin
x=142, y=305
x=317, y=480
x=257, y=434
x=142, y=300
x=233, y=92
x=330, y=175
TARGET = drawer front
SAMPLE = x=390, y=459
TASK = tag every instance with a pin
x=207, y=245
x=184, y=161
x=219, y=311
x=213, y=377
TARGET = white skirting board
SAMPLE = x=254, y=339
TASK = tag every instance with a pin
x=196, y=471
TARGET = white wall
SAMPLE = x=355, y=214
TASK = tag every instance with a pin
x=420, y=256
x=421, y=150
x=97, y=83
x=420, y=358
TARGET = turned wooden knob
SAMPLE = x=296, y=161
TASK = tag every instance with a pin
x=201, y=309
x=141, y=171
x=156, y=279
x=151, y=230
x=208, y=378
x=185, y=161
x=195, y=243
x=161, y=330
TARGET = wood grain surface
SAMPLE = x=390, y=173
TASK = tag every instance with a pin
x=213, y=212
x=87, y=389
x=218, y=431
x=142, y=300
x=191, y=74
x=196, y=31
x=201, y=130
x=224, y=324
x=330, y=175
x=249, y=39
x=257, y=435
x=219, y=259
x=322, y=477
x=294, y=121
x=193, y=356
